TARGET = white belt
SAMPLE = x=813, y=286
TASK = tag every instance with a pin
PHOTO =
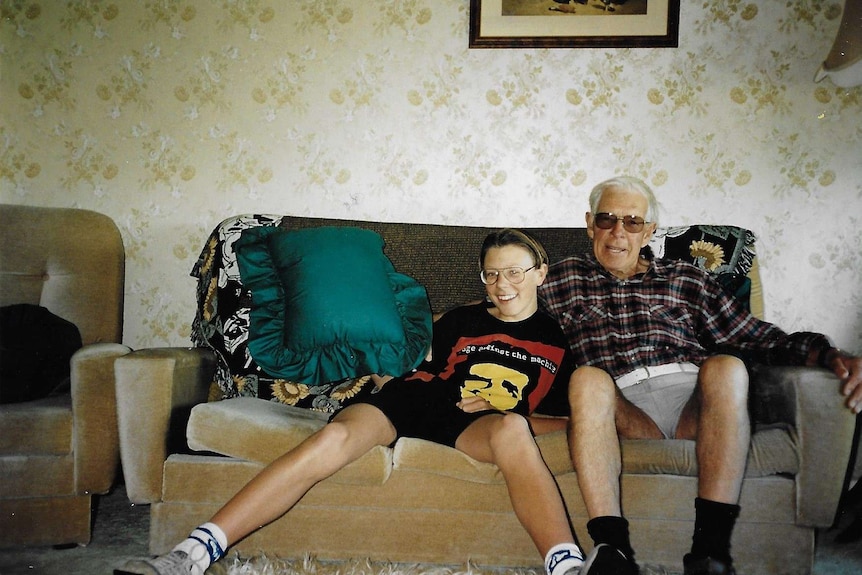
x=643, y=373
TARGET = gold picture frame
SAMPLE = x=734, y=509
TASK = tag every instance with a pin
x=574, y=24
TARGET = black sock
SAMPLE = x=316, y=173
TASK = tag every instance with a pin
x=713, y=525
x=613, y=531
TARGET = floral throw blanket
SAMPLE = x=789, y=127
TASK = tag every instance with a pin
x=221, y=322
x=221, y=325
x=727, y=252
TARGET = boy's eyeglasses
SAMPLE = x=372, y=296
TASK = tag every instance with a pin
x=607, y=221
x=512, y=275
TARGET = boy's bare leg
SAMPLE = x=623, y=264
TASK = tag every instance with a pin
x=506, y=441
x=274, y=490
x=271, y=493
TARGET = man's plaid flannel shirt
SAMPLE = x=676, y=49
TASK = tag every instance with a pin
x=673, y=313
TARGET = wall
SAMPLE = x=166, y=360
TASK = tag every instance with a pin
x=172, y=115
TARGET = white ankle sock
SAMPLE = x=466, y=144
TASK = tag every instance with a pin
x=562, y=557
x=205, y=545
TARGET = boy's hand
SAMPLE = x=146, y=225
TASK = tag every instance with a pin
x=474, y=404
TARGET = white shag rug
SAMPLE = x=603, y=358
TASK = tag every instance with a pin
x=309, y=565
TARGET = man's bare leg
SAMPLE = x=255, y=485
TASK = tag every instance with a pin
x=600, y=415
x=717, y=418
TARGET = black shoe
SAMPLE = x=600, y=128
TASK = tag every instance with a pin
x=607, y=560
x=706, y=566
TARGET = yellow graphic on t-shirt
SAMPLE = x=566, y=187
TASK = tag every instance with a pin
x=501, y=386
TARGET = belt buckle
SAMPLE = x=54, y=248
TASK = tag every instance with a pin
x=641, y=374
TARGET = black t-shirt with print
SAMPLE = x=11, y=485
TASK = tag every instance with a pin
x=513, y=365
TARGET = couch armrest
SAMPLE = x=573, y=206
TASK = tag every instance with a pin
x=156, y=389
x=824, y=428
x=95, y=441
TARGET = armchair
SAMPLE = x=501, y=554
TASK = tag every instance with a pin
x=57, y=451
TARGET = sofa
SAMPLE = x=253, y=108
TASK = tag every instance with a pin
x=60, y=448
x=197, y=423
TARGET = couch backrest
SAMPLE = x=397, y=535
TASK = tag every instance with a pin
x=417, y=250
x=69, y=261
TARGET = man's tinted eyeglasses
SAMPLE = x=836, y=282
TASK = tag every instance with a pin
x=512, y=275
x=607, y=221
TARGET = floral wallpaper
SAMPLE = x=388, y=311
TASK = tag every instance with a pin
x=172, y=115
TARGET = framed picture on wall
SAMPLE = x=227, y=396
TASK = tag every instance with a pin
x=574, y=23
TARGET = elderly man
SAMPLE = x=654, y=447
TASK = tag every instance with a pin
x=623, y=312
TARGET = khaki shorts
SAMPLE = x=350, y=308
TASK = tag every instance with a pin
x=663, y=398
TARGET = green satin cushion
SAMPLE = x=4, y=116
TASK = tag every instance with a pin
x=327, y=305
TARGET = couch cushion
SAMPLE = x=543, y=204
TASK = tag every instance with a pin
x=773, y=452
x=27, y=476
x=435, y=459
x=260, y=431
x=328, y=305
x=40, y=427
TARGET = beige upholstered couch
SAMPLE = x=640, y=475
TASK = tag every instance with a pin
x=420, y=502
x=56, y=452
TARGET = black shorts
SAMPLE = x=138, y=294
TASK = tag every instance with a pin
x=425, y=410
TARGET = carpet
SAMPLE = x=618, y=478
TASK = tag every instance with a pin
x=121, y=529
x=235, y=565
x=262, y=565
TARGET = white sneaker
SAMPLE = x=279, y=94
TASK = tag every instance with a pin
x=174, y=563
x=566, y=561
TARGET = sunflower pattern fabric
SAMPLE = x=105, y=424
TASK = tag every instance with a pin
x=727, y=252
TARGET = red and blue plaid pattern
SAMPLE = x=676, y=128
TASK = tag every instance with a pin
x=675, y=312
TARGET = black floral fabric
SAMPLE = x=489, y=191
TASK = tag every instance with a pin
x=727, y=252
x=221, y=325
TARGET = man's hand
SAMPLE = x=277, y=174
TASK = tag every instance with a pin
x=849, y=370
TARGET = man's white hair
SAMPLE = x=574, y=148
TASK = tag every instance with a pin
x=630, y=184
